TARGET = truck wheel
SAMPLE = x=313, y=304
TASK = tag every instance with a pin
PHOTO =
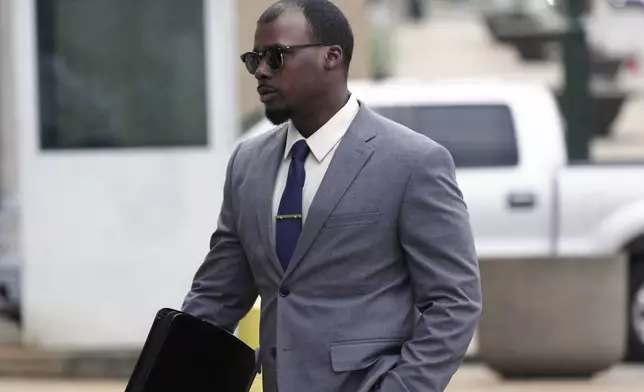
x=636, y=314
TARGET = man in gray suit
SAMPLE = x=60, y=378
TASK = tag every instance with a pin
x=350, y=227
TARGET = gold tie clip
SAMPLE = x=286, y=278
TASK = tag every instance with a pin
x=289, y=216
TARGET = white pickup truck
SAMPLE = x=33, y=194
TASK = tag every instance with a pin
x=561, y=244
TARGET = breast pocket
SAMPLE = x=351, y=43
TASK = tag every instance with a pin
x=360, y=219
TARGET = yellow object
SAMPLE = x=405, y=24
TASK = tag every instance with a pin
x=248, y=332
x=257, y=384
x=248, y=329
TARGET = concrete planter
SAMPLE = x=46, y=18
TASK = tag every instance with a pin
x=553, y=317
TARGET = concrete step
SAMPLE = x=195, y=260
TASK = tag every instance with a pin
x=603, y=150
x=20, y=362
x=16, y=361
x=458, y=46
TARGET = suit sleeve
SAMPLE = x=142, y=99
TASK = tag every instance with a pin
x=437, y=240
x=223, y=289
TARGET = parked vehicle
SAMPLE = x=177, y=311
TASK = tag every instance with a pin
x=626, y=3
x=525, y=198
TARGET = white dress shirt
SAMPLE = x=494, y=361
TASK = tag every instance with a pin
x=322, y=144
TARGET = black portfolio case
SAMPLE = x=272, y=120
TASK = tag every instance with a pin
x=185, y=354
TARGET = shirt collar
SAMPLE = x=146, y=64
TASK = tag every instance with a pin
x=325, y=138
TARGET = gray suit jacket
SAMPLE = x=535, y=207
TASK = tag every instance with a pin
x=383, y=291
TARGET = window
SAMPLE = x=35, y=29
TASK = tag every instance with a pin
x=121, y=73
x=475, y=135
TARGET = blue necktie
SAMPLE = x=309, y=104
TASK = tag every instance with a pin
x=288, y=223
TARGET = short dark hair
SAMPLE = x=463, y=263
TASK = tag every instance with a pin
x=328, y=24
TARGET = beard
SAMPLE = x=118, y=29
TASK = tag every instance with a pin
x=278, y=116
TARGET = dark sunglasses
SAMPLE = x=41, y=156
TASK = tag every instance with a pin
x=274, y=56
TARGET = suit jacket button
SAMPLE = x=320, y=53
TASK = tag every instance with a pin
x=273, y=352
x=284, y=292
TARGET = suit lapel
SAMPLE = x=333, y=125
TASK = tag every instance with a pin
x=352, y=154
x=269, y=161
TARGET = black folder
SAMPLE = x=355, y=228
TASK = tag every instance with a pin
x=185, y=354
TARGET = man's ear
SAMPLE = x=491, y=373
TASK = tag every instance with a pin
x=333, y=57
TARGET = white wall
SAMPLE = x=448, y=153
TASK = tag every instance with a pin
x=9, y=259
x=7, y=138
x=109, y=237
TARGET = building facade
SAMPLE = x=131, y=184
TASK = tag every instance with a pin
x=117, y=118
x=116, y=128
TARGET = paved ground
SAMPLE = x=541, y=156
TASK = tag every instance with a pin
x=471, y=378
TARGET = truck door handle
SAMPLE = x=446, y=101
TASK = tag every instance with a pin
x=521, y=200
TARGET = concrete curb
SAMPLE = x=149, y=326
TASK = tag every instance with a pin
x=20, y=362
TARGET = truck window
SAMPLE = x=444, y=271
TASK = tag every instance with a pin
x=475, y=135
